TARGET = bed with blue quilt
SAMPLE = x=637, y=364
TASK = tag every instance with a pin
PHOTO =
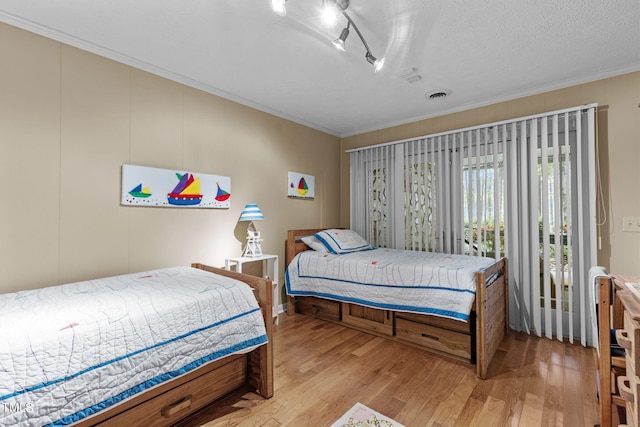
x=451, y=304
x=139, y=349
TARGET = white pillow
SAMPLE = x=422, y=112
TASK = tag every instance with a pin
x=314, y=243
x=342, y=241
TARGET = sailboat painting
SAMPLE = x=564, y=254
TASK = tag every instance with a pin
x=187, y=192
x=222, y=195
x=138, y=191
x=172, y=188
x=301, y=185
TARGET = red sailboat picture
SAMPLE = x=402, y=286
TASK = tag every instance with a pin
x=222, y=195
x=301, y=185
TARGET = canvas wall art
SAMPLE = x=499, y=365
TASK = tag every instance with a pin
x=301, y=185
x=146, y=186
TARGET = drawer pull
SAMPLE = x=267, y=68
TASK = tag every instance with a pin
x=432, y=337
x=170, y=410
x=623, y=339
x=625, y=390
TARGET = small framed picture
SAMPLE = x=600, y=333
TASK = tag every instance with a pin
x=301, y=185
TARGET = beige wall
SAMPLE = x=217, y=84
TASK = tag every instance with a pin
x=69, y=120
x=618, y=153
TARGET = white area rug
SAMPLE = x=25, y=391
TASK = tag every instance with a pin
x=361, y=416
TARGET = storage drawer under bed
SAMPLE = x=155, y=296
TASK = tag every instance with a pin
x=318, y=307
x=379, y=322
x=438, y=322
x=174, y=404
x=443, y=340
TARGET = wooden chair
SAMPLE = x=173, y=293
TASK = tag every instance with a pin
x=611, y=363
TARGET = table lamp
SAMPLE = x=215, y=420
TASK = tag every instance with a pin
x=252, y=213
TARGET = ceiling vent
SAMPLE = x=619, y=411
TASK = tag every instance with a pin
x=435, y=95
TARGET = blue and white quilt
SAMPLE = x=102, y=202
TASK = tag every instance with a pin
x=70, y=351
x=411, y=281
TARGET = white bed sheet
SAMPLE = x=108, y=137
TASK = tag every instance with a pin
x=70, y=351
x=411, y=281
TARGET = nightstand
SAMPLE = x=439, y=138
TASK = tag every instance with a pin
x=269, y=269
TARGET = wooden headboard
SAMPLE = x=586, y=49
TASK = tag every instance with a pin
x=295, y=245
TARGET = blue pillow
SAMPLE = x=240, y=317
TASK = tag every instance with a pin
x=342, y=241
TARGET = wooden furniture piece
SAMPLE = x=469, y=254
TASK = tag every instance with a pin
x=270, y=270
x=474, y=342
x=174, y=400
x=610, y=367
x=629, y=338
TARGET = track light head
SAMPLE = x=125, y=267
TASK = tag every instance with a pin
x=339, y=42
x=377, y=63
x=278, y=7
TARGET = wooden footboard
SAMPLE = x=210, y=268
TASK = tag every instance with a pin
x=475, y=342
x=260, y=367
x=176, y=399
x=491, y=313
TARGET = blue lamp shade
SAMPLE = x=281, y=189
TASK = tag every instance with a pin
x=251, y=212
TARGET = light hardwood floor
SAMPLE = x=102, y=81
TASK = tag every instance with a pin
x=322, y=369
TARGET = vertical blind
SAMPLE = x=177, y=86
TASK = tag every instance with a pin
x=523, y=188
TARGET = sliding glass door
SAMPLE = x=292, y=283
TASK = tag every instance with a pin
x=522, y=189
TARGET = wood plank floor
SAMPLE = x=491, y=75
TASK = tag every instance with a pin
x=322, y=369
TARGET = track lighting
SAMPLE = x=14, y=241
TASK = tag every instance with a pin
x=278, y=7
x=377, y=63
x=330, y=10
x=339, y=42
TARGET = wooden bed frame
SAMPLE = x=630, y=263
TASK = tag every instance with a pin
x=178, y=398
x=474, y=342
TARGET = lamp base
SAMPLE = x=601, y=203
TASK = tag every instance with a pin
x=254, y=245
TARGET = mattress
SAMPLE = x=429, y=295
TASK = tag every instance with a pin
x=400, y=280
x=70, y=351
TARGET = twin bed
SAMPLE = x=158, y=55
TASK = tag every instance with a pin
x=138, y=349
x=454, y=305
x=152, y=348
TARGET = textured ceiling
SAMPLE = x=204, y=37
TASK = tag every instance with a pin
x=482, y=51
